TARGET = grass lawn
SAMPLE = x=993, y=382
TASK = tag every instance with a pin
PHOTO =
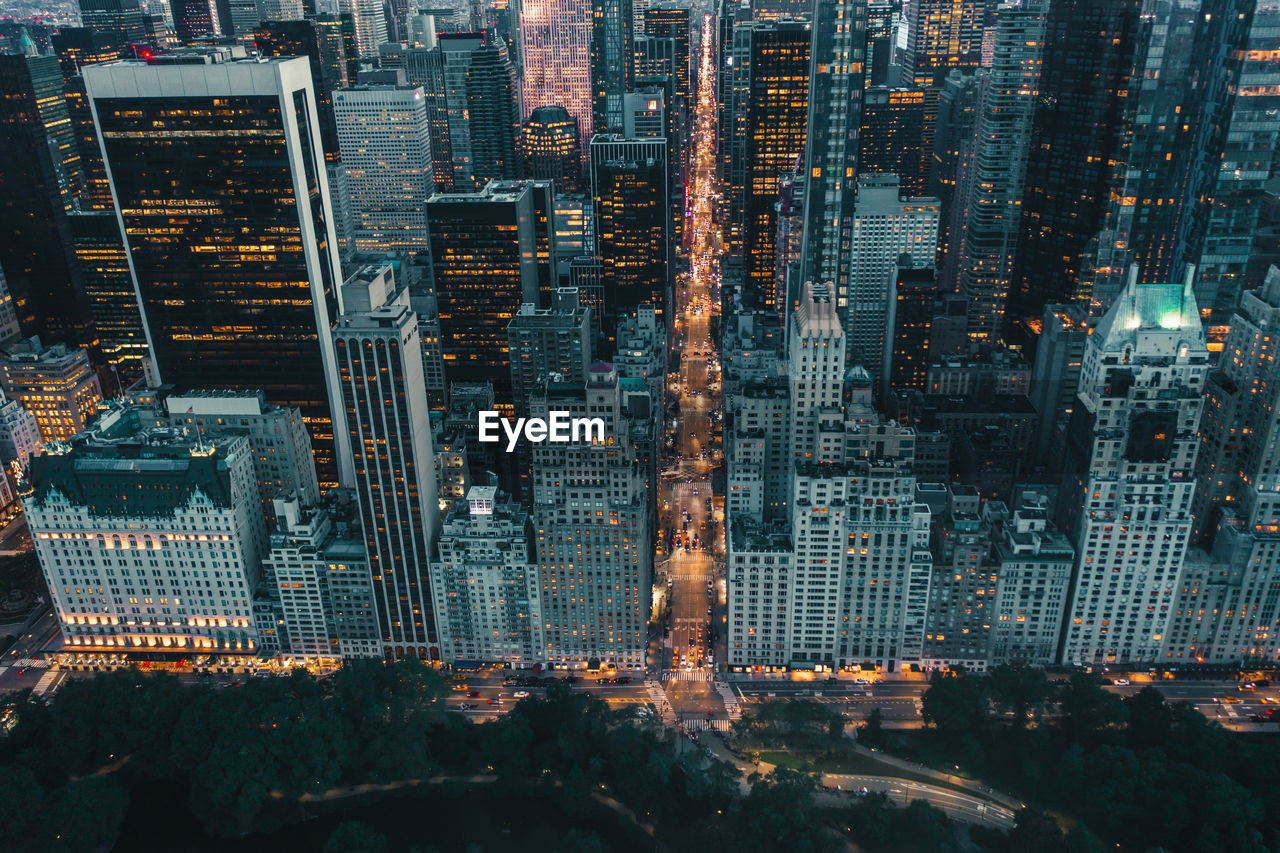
x=855, y=764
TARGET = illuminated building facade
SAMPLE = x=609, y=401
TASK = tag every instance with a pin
x=150, y=542
x=593, y=519
x=885, y=226
x=1131, y=460
x=987, y=209
x=230, y=232
x=830, y=144
x=386, y=155
x=941, y=35
x=125, y=15
x=550, y=149
x=630, y=193
x=194, y=20
x=56, y=384
x=317, y=574
x=485, y=582
x=1226, y=609
x=484, y=255
x=892, y=126
x=120, y=338
x=674, y=21
x=772, y=99
x=369, y=25
x=912, y=305
x=317, y=42
x=19, y=434
x=381, y=382
x=555, y=58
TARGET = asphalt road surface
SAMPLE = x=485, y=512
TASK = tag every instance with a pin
x=693, y=587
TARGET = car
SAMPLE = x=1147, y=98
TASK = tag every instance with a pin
x=521, y=694
x=1122, y=682
x=495, y=701
x=1247, y=686
x=459, y=688
x=1231, y=700
x=473, y=694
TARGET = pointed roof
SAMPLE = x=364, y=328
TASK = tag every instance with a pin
x=1151, y=308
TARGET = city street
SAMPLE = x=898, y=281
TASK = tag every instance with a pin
x=693, y=589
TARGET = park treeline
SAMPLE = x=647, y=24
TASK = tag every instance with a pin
x=257, y=757
x=1140, y=772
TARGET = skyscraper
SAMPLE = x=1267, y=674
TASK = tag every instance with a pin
x=484, y=257
x=1130, y=472
x=941, y=35
x=321, y=43
x=157, y=497
x=769, y=112
x=833, y=121
x=549, y=148
x=386, y=155
x=594, y=526
x=1247, y=141
x=815, y=373
x=109, y=294
x=480, y=101
x=224, y=314
x=1176, y=124
x=380, y=377
x=194, y=20
x=611, y=70
x=485, y=582
x=1225, y=611
x=988, y=202
x=1075, y=141
x=629, y=190
x=124, y=15
x=38, y=177
x=892, y=126
x=555, y=57
x=369, y=25
x=885, y=226
x=913, y=301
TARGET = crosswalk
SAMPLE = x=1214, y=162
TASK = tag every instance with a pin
x=48, y=683
x=698, y=724
x=695, y=675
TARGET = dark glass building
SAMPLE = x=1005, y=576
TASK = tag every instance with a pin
x=774, y=109
x=218, y=171
x=482, y=114
x=121, y=341
x=549, y=147
x=629, y=179
x=611, y=70
x=125, y=15
x=1075, y=141
x=328, y=66
x=911, y=319
x=484, y=257
x=39, y=175
x=892, y=130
